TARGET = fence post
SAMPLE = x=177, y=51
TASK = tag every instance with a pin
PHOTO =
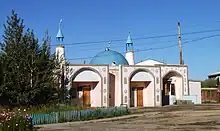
x=57, y=117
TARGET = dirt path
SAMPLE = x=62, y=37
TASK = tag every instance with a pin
x=177, y=118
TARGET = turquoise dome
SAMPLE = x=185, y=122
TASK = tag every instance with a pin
x=109, y=57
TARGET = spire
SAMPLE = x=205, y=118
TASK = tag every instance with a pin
x=129, y=50
x=60, y=36
x=129, y=40
x=129, y=43
x=109, y=44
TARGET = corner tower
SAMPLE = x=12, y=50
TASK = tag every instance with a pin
x=129, y=50
x=60, y=53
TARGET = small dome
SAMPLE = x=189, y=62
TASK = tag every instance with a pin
x=109, y=57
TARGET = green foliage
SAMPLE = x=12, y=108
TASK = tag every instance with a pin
x=15, y=121
x=52, y=108
x=27, y=69
x=209, y=83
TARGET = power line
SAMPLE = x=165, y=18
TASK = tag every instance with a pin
x=142, y=38
x=158, y=48
x=146, y=44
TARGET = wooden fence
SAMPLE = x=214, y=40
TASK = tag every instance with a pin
x=68, y=116
x=210, y=94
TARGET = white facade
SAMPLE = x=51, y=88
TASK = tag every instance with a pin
x=84, y=75
x=130, y=57
x=116, y=80
x=150, y=62
x=60, y=54
x=195, y=91
x=117, y=85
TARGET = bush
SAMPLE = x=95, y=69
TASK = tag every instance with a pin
x=50, y=108
x=15, y=121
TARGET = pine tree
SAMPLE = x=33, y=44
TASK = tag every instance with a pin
x=12, y=64
x=27, y=69
x=45, y=73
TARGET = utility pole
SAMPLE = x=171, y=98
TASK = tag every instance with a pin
x=180, y=44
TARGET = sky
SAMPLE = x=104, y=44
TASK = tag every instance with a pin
x=92, y=21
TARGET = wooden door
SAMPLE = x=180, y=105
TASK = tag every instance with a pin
x=140, y=97
x=86, y=96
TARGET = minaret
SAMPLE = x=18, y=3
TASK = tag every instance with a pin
x=60, y=53
x=129, y=50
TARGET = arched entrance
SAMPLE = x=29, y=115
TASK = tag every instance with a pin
x=112, y=89
x=141, y=88
x=172, y=88
x=86, y=87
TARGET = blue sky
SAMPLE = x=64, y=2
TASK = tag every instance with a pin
x=98, y=20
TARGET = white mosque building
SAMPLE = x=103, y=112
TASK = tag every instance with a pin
x=111, y=79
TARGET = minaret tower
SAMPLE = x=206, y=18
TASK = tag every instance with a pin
x=60, y=53
x=129, y=50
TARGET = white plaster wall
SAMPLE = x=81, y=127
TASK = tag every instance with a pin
x=130, y=57
x=195, y=90
x=177, y=81
x=155, y=91
x=119, y=99
x=60, y=54
x=80, y=95
x=95, y=96
x=87, y=75
x=115, y=71
x=148, y=97
x=142, y=76
x=117, y=90
x=102, y=90
x=95, y=93
x=149, y=62
x=135, y=97
x=182, y=70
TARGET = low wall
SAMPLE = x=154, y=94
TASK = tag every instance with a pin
x=193, y=98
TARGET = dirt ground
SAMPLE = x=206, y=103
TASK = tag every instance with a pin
x=172, y=118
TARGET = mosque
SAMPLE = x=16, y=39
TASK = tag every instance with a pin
x=111, y=79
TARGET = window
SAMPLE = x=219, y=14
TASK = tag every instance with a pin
x=157, y=80
x=73, y=93
x=126, y=99
x=104, y=80
x=80, y=88
x=125, y=80
x=158, y=98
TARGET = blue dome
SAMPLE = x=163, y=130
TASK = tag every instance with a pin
x=109, y=57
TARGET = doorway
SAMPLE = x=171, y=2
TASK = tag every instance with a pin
x=165, y=93
x=140, y=97
x=86, y=96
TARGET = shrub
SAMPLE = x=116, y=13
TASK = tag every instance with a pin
x=15, y=121
x=51, y=108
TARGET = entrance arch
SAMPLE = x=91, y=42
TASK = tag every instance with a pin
x=86, y=87
x=172, y=87
x=141, y=88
